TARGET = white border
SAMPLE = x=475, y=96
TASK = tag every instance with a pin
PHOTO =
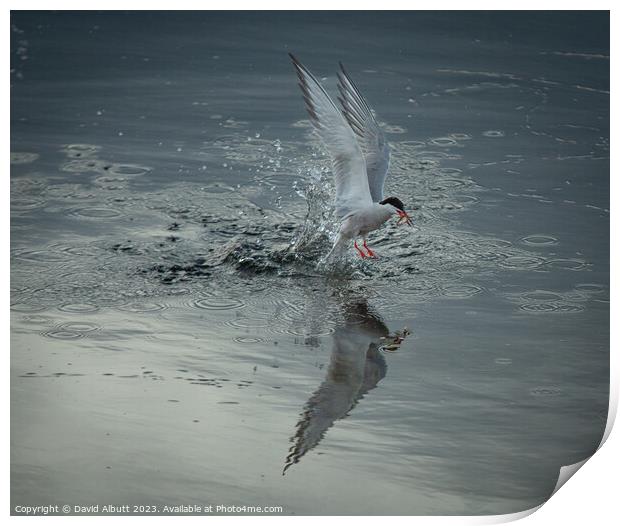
x=589, y=497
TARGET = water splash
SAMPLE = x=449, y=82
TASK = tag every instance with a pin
x=221, y=236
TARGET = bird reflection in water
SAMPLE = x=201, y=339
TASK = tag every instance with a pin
x=357, y=364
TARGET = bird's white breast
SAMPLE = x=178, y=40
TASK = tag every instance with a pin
x=366, y=220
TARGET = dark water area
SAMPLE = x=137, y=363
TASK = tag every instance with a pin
x=173, y=340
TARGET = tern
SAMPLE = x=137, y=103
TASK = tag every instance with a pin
x=360, y=157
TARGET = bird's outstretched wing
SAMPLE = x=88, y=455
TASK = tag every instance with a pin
x=352, y=189
x=356, y=367
x=369, y=135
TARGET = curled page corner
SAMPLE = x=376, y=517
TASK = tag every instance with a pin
x=611, y=412
x=567, y=472
x=509, y=517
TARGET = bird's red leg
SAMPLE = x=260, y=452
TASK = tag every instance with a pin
x=370, y=252
x=362, y=255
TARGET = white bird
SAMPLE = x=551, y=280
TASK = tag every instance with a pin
x=360, y=158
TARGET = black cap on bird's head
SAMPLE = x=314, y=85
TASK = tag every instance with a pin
x=400, y=208
x=394, y=201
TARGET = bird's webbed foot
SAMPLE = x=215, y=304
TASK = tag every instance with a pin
x=370, y=254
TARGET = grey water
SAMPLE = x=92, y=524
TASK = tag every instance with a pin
x=173, y=340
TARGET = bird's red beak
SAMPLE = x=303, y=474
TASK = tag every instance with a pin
x=404, y=218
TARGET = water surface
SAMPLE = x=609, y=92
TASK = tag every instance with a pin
x=173, y=340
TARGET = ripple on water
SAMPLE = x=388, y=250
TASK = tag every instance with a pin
x=308, y=332
x=108, y=182
x=493, y=133
x=568, y=307
x=217, y=188
x=494, y=242
x=460, y=291
x=590, y=288
x=443, y=142
x=448, y=183
x=95, y=213
x=250, y=322
x=23, y=203
x=542, y=296
x=217, y=303
x=27, y=307
x=86, y=283
x=37, y=319
x=522, y=262
x=410, y=144
x=393, y=128
x=418, y=289
x=41, y=256
x=574, y=296
x=538, y=240
x=463, y=199
x=80, y=327
x=567, y=264
x=247, y=339
x=78, y=250
x=128, y=169
x=108, y=298
x=275, y=302
x=257, y=314
x=84, y=165
x=23, y=157
x=78, y=308
x=76, y=151
x=540, y=308
x=62, y=334
x=139, y=306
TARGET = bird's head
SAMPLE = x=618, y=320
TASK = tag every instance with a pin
x=398, y=208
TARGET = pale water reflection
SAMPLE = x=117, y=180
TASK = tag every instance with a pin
x=356, y=366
